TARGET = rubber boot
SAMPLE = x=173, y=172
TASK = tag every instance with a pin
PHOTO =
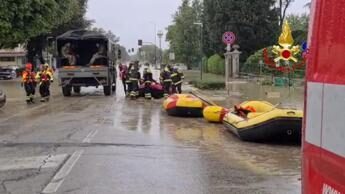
x=32, y=98
x=133, y=96
x=148, y=96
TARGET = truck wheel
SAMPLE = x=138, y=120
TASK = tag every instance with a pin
x=107, y=90
x=67, y=91
x=77, y=89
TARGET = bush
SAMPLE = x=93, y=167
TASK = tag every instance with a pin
x=216, y=65
x=252, y=64
x=266, y=83
x=208, y=85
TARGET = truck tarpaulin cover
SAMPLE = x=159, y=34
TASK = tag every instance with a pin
x=81, y=35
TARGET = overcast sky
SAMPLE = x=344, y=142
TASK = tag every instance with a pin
x=136, y=19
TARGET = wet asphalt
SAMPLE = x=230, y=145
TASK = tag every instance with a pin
x=92, y=144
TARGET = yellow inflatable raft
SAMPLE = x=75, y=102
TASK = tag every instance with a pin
x=215, y=114
x=260, y=121
x=184, y=105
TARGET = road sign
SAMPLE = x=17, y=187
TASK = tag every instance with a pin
x=172, y=56
x=304, y=46
x=229, y=38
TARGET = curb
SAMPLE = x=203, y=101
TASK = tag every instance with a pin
x=203, y=97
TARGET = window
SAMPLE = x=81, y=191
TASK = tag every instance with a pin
x=7, y=59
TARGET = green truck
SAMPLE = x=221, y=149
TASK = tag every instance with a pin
x=86, y=58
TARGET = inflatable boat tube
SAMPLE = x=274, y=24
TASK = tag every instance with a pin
x=260, y=121
x=215, y=114
x=184, y=105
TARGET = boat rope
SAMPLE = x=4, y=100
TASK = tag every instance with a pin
x=203, y=98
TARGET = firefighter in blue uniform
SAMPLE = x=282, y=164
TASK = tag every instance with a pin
x=134, y=78
x=165, y=79
x=148, y=80
x=177, y=78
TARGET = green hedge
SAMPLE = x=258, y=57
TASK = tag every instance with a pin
x=216, y=65
x=208, y=85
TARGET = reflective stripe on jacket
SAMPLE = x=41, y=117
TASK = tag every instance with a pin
x=28, y=77
x=44, y=76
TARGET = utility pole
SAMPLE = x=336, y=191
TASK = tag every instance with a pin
x=155, y=32
x=48, y=60
x=160, y=36
x=200, y=45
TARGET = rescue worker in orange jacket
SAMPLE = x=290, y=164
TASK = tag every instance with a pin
x=177, y=78
x=44, y=78
x=28, y=82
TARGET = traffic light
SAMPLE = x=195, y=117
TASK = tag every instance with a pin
x=119, y=54
x=140, y=42
x=132, y=50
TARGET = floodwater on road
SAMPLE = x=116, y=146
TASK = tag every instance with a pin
x=243, y=90
x=89, y=143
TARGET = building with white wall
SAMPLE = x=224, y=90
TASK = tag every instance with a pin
x=13, y=57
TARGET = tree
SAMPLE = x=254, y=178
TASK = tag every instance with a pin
x=70, y=14
x=23, y=20
x=256, y=24
x=299, y=25
x=77, y=21
x=108, y=33
x=308, y=5
x=184, y=36
x=283, y=5
x=31, y=21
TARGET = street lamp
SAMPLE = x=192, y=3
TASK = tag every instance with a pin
x=155, y=31
x=160, y=36
x=47, y=49
x=201, y=50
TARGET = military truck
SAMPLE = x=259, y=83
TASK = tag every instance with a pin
x=86, y=58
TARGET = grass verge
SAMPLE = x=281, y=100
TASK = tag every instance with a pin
x=210, y=81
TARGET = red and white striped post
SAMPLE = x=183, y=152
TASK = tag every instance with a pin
x=324, y=123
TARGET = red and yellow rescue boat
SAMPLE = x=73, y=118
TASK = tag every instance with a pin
x=184, y=105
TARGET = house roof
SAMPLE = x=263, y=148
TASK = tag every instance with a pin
x=12, y=54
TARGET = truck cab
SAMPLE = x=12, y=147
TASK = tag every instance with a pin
x=86, y=58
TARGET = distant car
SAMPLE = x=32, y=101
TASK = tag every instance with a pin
x=182, y=67
x=7, y=73
x=2, y=98
x=18, y=70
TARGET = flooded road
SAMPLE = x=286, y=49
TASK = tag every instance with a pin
x=95, y=144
